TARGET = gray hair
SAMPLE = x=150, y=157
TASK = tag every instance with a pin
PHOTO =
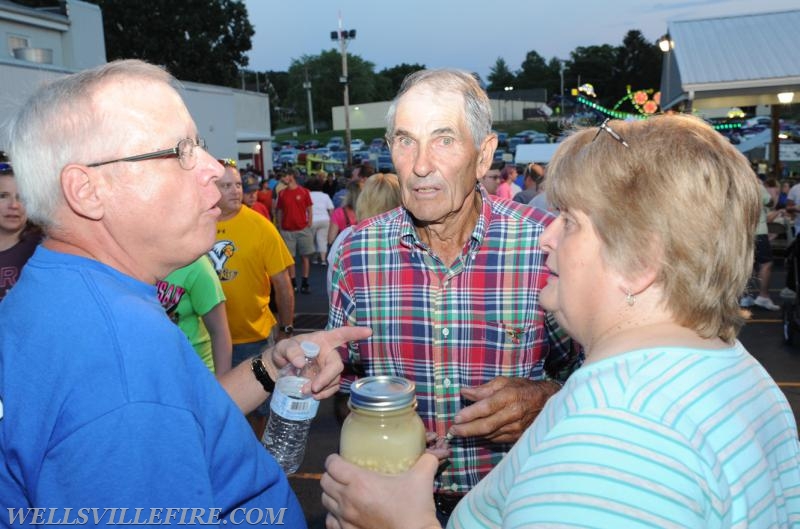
x=58, y=125
x=477, y=109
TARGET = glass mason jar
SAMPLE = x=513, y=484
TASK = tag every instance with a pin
x=383, y=431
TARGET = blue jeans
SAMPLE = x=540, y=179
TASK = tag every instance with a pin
x=245, y=351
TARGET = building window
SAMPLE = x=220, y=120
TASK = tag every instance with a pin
x=16, y=41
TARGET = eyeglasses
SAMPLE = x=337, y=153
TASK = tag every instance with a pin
x=227, y=162
x=492, y=176
x=184, y=151
x=604, y=127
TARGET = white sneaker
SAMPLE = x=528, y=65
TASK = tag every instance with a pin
x=746, y=301
x=766, y=303
x=788, y=293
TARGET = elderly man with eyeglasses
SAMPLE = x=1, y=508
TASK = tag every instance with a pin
x=103, y=402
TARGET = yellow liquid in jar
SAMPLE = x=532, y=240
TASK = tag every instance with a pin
x=386, y=442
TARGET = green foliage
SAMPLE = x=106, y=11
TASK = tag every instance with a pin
x=324, y=72
x=206, y=41
x=595, y=65
x=196, y=40
x=38, y=3
x=535, y=73
x=500, y=76
x=638, y=65
x=394, y=77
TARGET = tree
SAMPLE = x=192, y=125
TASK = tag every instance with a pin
x=324, y=73
x=500, y=76
x=533, y=72
x=638, y=64
x=196, y=40
x=395, y=75
x=595, y=65
x=536, y=73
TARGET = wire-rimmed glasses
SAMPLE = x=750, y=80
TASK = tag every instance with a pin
x=184, y=151
x=605, y=127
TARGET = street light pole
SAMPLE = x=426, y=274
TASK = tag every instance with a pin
x=784, y=98
x=666, y=45
x=343, y=35
x=508, y=89
x=561, y=99
x=307, y=86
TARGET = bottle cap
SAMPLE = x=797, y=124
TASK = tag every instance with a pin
x=310, y=350
x=382, y=393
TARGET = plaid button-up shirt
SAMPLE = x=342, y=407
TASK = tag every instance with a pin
x=446, y=327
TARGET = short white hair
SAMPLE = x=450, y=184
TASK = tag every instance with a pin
x=57, y=126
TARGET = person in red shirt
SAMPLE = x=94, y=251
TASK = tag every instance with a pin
x=293, y=216
x=264, y=197
x=249, y=196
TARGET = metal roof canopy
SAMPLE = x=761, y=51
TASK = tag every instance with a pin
x=731, y=61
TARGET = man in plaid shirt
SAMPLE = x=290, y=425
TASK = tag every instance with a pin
x=449, y=284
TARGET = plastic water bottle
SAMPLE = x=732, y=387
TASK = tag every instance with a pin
x=291, y=412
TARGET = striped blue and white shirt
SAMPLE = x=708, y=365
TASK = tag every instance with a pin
x=667, y=437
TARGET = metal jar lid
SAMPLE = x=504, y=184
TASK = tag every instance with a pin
x=382, y=393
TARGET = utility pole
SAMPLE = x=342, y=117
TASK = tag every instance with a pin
x=343, y=35
x=561, y=71
x=307, y=86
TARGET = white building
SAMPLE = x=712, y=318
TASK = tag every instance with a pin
x=373, y=115
x=43, y=44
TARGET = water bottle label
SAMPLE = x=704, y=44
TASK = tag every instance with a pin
x=289, y=403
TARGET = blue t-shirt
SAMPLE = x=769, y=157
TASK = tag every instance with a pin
x=667, y=437
x=104, y=404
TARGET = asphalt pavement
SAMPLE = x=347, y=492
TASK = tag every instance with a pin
x=762, y=336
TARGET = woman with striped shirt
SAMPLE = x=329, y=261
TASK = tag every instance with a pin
x=670, y=422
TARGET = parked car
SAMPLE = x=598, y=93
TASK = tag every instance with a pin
x=513, y=142
x=502, y=138
x=356, y=144
x=533, y=136
x=360, y=156
x=758, y=120
x=287, y=156
x=322, y=152
x=385, y=164
x=339, y=155
x=377, y=144
x=336, y=143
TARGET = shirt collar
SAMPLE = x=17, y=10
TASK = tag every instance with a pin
x=409, y=236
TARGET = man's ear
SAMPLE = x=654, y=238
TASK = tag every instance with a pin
x=80, y=187
x=486, y=155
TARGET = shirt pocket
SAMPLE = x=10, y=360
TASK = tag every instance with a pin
x=511, y=349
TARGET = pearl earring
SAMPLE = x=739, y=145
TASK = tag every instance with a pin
x=630, y=299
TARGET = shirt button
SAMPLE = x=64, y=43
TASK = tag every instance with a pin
x=447, y=382
x=454, y=487
x=445, y=332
